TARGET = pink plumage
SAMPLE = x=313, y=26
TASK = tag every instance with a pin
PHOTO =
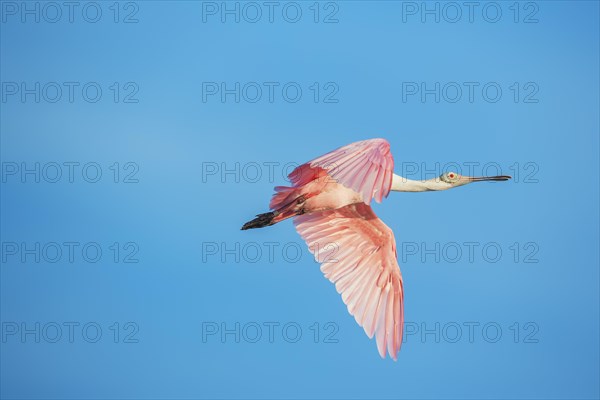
x=365, y=167
x=329, y=200
x=357, y=252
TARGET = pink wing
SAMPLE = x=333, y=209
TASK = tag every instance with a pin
x=365, y=167
x=358, y=254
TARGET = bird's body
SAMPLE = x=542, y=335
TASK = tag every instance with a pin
x=329, y=201
x=321, y=194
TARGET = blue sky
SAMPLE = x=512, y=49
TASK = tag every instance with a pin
x=134, y=147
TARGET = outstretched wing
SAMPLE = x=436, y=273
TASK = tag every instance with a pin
x=366, y=167
x=357, y=252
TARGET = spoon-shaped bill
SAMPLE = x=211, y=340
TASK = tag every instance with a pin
x=489, y=178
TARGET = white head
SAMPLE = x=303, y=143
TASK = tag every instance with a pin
x=453, y=179
x=447, y=180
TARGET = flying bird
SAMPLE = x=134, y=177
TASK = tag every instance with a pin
x=330, y=201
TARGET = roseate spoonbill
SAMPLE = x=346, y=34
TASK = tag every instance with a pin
x=329, y=200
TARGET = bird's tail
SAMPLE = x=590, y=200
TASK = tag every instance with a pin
x=288, y=210
x=260, y=221
x=269, y=218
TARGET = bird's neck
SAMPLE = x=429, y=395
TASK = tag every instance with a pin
x=402, y=184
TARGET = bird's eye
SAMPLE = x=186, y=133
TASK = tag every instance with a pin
x=451, y=175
